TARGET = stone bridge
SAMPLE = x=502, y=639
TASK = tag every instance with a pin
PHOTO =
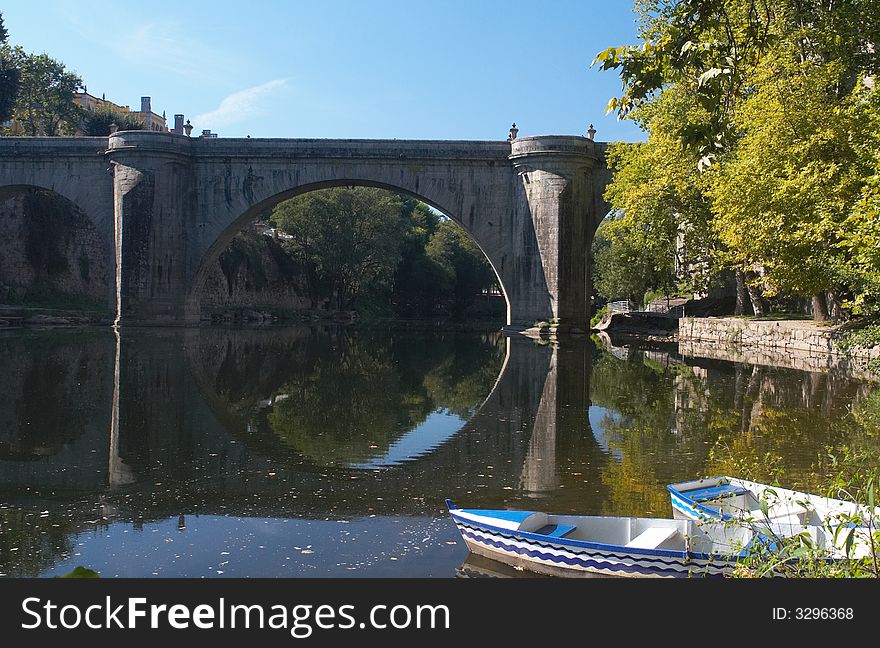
x=166, y=205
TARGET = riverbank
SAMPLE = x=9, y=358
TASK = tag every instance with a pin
x=12, y=317
x=27, y=316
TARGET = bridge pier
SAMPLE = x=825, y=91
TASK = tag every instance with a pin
x=556, y=176
x=154, y=216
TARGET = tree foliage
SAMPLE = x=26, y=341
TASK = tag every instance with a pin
x=370, y=248
x=773, y=105
x=44, y=101
x=624, y=270
x=460, y=262
x=98, y=122
x=662, y=215
x=9, y=76
x=351, y=237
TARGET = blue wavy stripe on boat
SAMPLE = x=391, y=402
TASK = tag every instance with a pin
x=641, y=566
x=698, y=512
x=596, y=564
x=585, y=561
x=642, y=555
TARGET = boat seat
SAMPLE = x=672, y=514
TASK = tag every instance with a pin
x=652, y=537
x=715, y=492
x=555, y=530
x=784, y=521
x=787, y=513
x=792, y=510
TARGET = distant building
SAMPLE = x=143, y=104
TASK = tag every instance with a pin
x=92, y=103
x=148, y=118
x=151, y=120
x=207, y=134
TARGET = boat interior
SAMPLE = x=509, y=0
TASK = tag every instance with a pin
x=641, y=533
x=737, y=501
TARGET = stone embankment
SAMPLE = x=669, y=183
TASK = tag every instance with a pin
x=798, y=344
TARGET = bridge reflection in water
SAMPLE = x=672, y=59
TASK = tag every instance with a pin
x=301, y=423
x=311, y=451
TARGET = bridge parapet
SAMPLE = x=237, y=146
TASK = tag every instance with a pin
x=149, y=142
x=52, y=147
x=571, y=148
x=385, y=150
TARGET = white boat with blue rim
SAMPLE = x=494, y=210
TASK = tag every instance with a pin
x=583, y=545
x=730, y=498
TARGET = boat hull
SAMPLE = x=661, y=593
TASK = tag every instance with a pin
x=567, y=560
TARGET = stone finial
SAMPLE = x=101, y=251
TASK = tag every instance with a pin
x=188, y=128
x=513, y=131
x=591, y=133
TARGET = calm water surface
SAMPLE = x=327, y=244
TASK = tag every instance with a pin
x=292, y=452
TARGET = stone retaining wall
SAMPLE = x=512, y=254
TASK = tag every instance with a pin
x=798, y=344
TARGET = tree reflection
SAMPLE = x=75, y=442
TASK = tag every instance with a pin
x=361, y=393
x=31, y=541
x=50, y=389
x=670, y=420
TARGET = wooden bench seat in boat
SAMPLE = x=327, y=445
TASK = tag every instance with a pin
x=715, y=492
x=652, y=537
x=788, y=514
x=555, y=530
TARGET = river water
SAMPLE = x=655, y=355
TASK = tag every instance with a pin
x=297, y=452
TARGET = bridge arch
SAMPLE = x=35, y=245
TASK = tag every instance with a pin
x=212, y=251
x=58, y=246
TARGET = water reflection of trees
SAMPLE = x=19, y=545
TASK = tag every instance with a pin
x=31, y=541
x=50, y=389
x=357, y=394
x=679, y=421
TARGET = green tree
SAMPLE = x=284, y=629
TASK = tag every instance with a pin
x=782, y=196
x=623, y=268
x=420, y=284
x=705, y=46
x=461, y=261
x=9, y=76
x=98, y=122
x=859, y=234
x=350, y=236
x=44, y=103
x=660, y=237
x=778, y=98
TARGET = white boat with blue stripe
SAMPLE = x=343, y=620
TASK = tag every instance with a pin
x=729, y=498
x=582, y=545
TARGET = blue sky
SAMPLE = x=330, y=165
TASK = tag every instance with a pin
x=341, y=68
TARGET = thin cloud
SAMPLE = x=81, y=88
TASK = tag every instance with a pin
x=165, y=45
x=239, y=106
x=160, y=44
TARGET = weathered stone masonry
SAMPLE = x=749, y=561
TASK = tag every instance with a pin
x=797, y=344
x=167, y=205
